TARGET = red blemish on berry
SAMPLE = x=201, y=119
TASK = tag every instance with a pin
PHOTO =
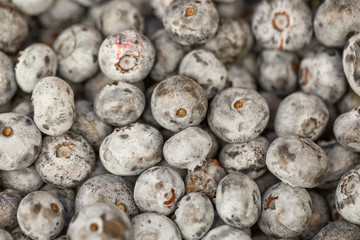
x=268, y=202
x=172, y=199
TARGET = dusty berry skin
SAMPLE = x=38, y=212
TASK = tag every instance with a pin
x=282, y=24
x=202, y=66
x=40, y=215
x=159, y=7
x=238, y=200
x=302, y=114
x=297, y=161
x=347, y=197
x=67, y=199
x=319, y=218
x=89, y=3
x=77, y=51
x=238, y=115
x=154, y=226
x=341, y=18
x=5, y=235
x=168, y=55
x=130, y=150
x=89, y=125
x=226, y=232
x=191, y=22
x=277, y=71
x=238, y=76
x=109, y=189
x=119, y=104
x=285, y=211
x=248, y=158
x=351, y=62
x=32, y=7
x=35, y=62
x=13, y=28
x=321, y=73
x=188, y=148
x=273, y=101
x=194, y=215
x=65, y=160
x=8, y=84
x=54, y=108
x=100, y=221
x=232, y=40
x=61, y=14
x=178, y=102
x=118, y=16
x=339, y=230
x=20, y=141
x=127, y=56
x=158, y=189
x=266, y=181
x=24, y=180
x=348, y=102
x=346, y=130
x=340, y=161
x=9, y=202
x=205, y=178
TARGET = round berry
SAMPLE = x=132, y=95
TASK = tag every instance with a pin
x=9, y=202
x=226, y=232
x=8, y=84
x=350, y=62
x=347, y=129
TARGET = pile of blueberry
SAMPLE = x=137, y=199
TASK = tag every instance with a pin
x=180, y=119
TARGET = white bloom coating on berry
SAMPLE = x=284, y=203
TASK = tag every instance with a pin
x=40, y=215
x=77, y=50
x=202, y=66
x=239, y=77
x=168, y=55
x=340, y=229
x=277, y=71
x=282, y=24
x=9, y=202
x=159, y=7
x=347, y=197
x=109, y=189
x=130, y=150
x=35, y=62
x=65, y=160
x=20, y=141
x=158, y=189
x=89, y=125
x=61, y=14
x=119, y=104
x=4, y=235
x=154, y=226
x=13, y=28
x=178, y=102
x=286, y=211
x=194, y=215
x=335, y=21
x=32, y=7
x=346, y=130
x=340, y=161
x=89, y=3
x=231, y=9
x=127, y=56
x=100, y=221
x=248, y=158
x=118, y=16
x=302, y=114
x=8, y=85
x=226, y=232
x=348, y=102
x=351, y=63
x=54, y=108
x=297, y=161
x=188, y=148
x=24, y=180
x=322, y=74
x=189, y=22
x=25, y=108
x=238, y=115
x=238, y=200
x=233, y=40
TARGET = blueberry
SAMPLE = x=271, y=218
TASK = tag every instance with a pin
x=130, y=150
x=8, y=84
x=238, y=200
x=348, y=102
x=226, y=232
x=238, y=115
x=158, y=189
x=159, y=7
x=239, y=77
x=286, y=211
x=339, y=230
x=350, y=62
x=9, y=202
x=4, y=235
